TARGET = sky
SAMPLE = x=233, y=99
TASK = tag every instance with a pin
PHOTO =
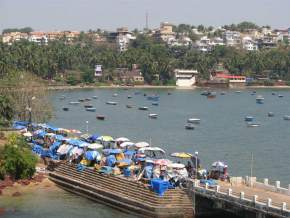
x=50, y=15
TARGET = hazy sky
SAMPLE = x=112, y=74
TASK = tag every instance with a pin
x=109, y=14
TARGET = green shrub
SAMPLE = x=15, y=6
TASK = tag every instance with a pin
x=72, y=80
x=268, y=83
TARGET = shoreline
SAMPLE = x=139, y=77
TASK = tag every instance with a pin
x=67, y=87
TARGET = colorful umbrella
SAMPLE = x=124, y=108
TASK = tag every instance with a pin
x=141, y=144
x=162, y=162
x=181, y=155
x=105, y=138
x=126, y=144
x=122, y=139
x=95, y=146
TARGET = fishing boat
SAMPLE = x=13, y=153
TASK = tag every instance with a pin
x=286, y=117
x=129, y=96
x=91, y=109
x=62, y=97
x=260, y=99
x=100, y=117
x=270, y=114
x=193, y=120
x=129, y=106
x=189, y=126
x=251, y=124
x=153, y=116
x=115, y=94
x=88, y=99
x=111, y=103
x=280, y=96
x=249, y=118
x=211, y=95
x=143, y=108
x=88, y=106
x=153, y=98
x=95, y=97
x=155, y=103
x=74, y=102
x=65, y=109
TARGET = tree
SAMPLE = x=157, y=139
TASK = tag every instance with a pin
x=6, y=110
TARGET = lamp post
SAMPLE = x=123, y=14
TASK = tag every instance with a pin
x=87, y=122
x=195, y=181
x=29, y=108
x=196, y=154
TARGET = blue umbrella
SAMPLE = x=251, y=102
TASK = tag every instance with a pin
x=93, y=137
x=91, y=155
x=59, y=137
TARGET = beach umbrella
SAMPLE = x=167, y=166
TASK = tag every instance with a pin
x=152, y=149
x=95, y=146
x=92, y=155
x=27, y=134
x=162, y=162
x=59, y=137
x=181, y=155
x=105, y=138
x=64, y=149
x=76, y=150
x=85, y=136
x=218, y=164
x=83, y=144
x=112, y=151
x=142, y=144
x=94, y=137
x=122, y=139
x=126, y=144
x=176, y=165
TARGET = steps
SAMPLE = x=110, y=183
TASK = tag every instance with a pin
x=118, y=190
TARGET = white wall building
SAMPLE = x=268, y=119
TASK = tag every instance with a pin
x=232, y=38
x=249, y=44
x=185, y=78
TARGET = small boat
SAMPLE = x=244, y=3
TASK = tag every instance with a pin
x=95, y=97
x=111, y=103
x=81, y=100
x=270, y=114
x=193, y=120
x=237, y=91
x=153, y=98
x=129, y=96
x=223, y=93
x=88, y=99
x=249, y=118
x=189, y=126
x=211, y=95
x=273, y=93
x=65, y=109
x=91, y=109
x=153, y=116
x=143, y=108
x=129, y=106
x=74, y=102
x=169, y=93
x=145, y=94
x=62, y=97
x=88, y=106
x=286, y=117
x=155, y=103
x=280, y=96
x=251, y=124
x=115, y=94
x=260, y=99
x=100, y=117
x=205, y=93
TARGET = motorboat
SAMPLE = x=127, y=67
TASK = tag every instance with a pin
x=249, y=118
x=143, y=108
x=189, y=126
x=74, y=102
x=270, y=114
x=260, y=99
x=129, y=96
x=81, y=100
x=286, y=117
x=65, y=109
x=155, y=103
x=100, y=117
x=193, y=120
x=153, y=116
x=91, y=109
x=111, y=103
x=88, y=99
x=251, y=124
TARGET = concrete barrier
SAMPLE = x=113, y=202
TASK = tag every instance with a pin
x=273, y=188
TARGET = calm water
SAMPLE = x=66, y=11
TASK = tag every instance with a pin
x=222, y=134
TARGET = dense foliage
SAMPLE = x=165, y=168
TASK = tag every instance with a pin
x=58, y=58
x=16, y=159
x=22, y=30
x=6, y=110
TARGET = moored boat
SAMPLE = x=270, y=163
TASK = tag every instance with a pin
x=100, y=117
x=270, y=114
x=91, y=109
x=115, y=94
x=129, y=96
x=153, y=116
x=260, y=99
x=74, y=102
x=251, y=124
x=129, y=106
x=193, y=120
x=286, y=117
x=143, y=108
x=280, y=96
x=111, y=103
x=211, y=95
x=153, y=98
x=88, y=106
x=249, y=118
x=65, y=109
x=95, y=97
x=155, y=103
x=189, y=126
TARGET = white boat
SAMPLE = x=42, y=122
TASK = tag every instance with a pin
x=260, y=99
x=111, y=103
x=115, y=95
x=74, y=102
x=143, y=108
x=153, y=116
x=185, y=78
x=91, y=109
x=286, y=117
x=250, y=124
x=95, y=97
x=193, y=120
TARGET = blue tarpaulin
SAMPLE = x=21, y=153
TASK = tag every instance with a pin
x=55, y=146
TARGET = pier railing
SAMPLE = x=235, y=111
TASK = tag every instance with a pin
x=241, y=198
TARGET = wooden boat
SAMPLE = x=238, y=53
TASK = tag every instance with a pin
x=193, y=120
x=153, y=116
x=249, y=118
x=65, y=109
x=111, y=103
x=100, y=117
x=143, y=108
x=91, y=109
x=189, y=126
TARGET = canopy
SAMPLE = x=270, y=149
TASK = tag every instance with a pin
x=92, y=155
x=181, y=155
x=153, y=149
x=27, y=134
x=142, y=144
x=59, y=137
x=112, y=151
x=126, y=144
x=105, y=138
x=163, y=162
x=75, y=142
x=76, y=150
x=64, y=149
x=122, y=139
x=219, y=164
x=55, y=145
x=176, y=165
x=83, y=144
x=95, y=146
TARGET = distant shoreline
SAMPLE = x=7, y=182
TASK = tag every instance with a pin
x=67, y=87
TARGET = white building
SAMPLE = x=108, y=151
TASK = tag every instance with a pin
x=249, y=44
x=232, y=38
x=185, y=78
x=123, y=38
x=38, y=37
